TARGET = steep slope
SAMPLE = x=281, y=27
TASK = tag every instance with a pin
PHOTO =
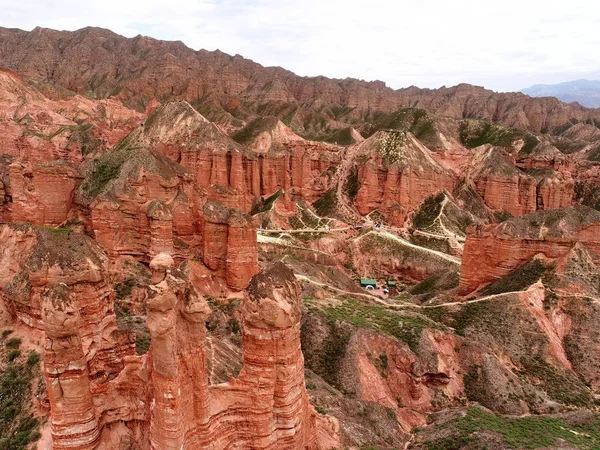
x=395, y=174
x=493, y=251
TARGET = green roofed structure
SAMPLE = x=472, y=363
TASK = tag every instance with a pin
x=391, y=283
x=364, y=282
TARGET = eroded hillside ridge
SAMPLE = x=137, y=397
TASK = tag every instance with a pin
x=99, y=63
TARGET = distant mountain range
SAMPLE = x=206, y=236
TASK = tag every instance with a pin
x=584, y=92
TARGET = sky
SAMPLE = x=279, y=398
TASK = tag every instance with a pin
x=504, y=45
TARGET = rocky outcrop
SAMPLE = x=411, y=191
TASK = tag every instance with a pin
x=138, y=202
x=492, y=251
x=554, y=189
x=56, y=282
x=268, y=397
x=396, y=173
x=274, y=158
x=102, y=396
x=390, y=374
x=230, y=246
x=39, y=130
x=502, y=186
x=41, y=194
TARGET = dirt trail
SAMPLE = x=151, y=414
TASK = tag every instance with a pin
x=389, y=235
x=454, y=240
x=305, y=230
x=278, y=241
x=404, y=305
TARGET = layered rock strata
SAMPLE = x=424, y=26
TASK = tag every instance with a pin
x=492, y=251
x=41, y=194
x=103, y=396
x=396, y=173
x=274, y=158
x=230, y=246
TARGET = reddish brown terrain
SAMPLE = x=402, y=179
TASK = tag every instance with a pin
x=183, y=235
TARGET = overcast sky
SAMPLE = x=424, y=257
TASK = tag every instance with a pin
x=502, y=44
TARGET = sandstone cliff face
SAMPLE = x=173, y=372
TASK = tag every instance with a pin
x=398, y=174
x=303, y=169
x=502, y=186
x=230, y=246
x=493, y=251
x=145, y=205
x=274, y=157
x=41, y=194
x=57, y=283
x=406, y=382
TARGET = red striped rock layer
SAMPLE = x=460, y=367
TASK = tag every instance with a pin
x=236, y=179
x=102, y=396
x=265, y=407
x=39, y=130
x=57, y=283
x=41, y=194
x=398, y=176
x=153, y=215
x=230, y=246
x=493, y=251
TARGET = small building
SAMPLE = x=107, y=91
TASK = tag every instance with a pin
x=391, y=283
x=364, y=282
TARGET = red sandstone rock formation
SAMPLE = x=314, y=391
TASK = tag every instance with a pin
x=493, y=251
x=408, y=383
x=102, y=396
x=41, y=194
x=230, y=246
x=36, y=129
x=268, y=397
x=276, y=159
x=397, y=176
x=502, y=186
x=150, y=205
x=57, y=282
x=301, y=168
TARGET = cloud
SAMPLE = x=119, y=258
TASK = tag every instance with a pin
x=503, y=45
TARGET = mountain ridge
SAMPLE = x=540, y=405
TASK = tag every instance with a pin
x=99, y=63
x=583, y=91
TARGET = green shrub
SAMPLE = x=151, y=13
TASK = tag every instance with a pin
x=428, y=211
x=519, y=279
x=327, y=204
x=233, y=326
x=320, y=410
x=12, y=355
x=517, y=432
x=5, y=333
x=18, y=428
x=124, y=289
x=142, y=342
x=33, y=358
x=13, y=343
x=352, y=184
x=264, y=205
